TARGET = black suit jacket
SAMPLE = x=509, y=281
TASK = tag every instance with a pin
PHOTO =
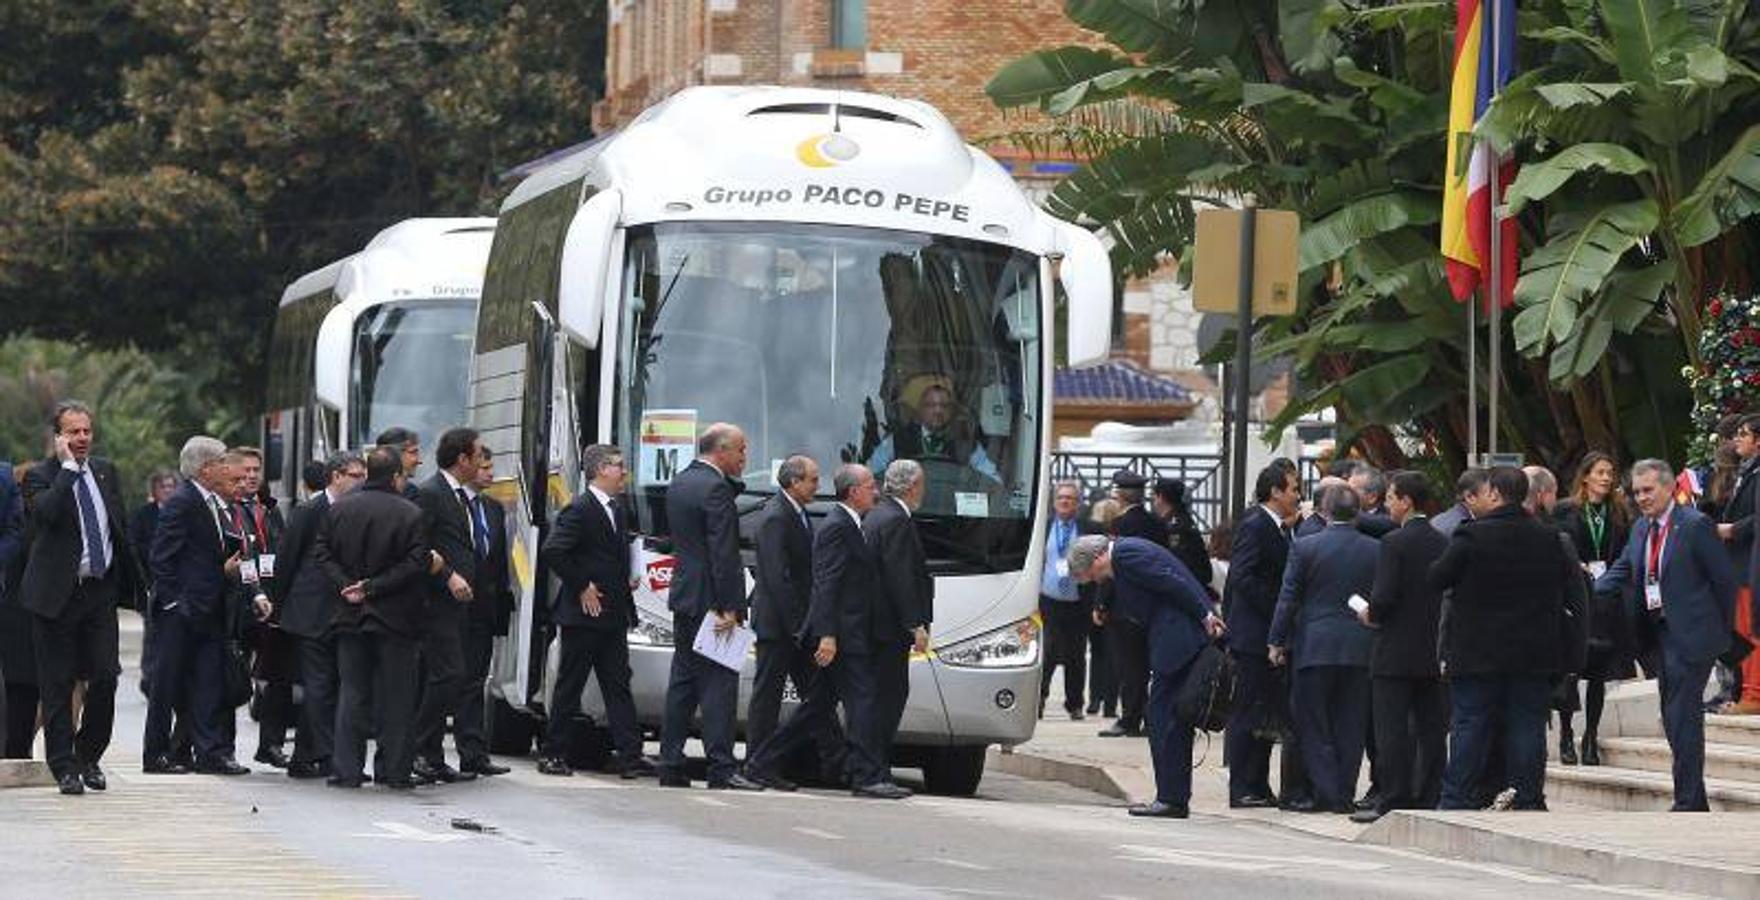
x=308, y=600
x=785, y=571
x=1739, y=511
x=188, y=558
x=581, y=549
x=375, y=535
x=1138, y=522
x=846, y=587
x=494, y=588
x=1510, y=579
x=1404, y=606
x=707, y=572
x=1255, y=576
x=907, y=591
x=51, y=564
x=448, y=527
x=1188, y=547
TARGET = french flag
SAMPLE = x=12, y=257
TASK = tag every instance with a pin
x=1466, y=200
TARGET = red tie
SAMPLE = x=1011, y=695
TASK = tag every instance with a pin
x=1658, y=535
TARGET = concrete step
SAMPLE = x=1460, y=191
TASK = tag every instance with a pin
x=1742, y=730
x=1636, y=790
x=1734, y=762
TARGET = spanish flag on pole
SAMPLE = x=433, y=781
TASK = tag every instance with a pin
x=1484, y=55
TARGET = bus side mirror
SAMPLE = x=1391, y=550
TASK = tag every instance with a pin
x=1086, y=274
x=587, y=265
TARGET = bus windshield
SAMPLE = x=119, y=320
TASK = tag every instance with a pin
x=847, y=345
x=411, y=368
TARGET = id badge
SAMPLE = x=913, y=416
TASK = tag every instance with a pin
x=1597, y=569
x=1062, y=568
x=247, y=570
x=266, y=565
x=1652, y=596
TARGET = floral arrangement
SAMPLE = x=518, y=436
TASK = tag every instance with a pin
x=1727, y=379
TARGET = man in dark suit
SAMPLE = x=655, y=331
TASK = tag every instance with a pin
x=77, y=570
x=843, y=629
x=588, y=551
x=196, y=560
x=309, y=603
x=145, y=519
x=1157, y=587
x=1687, y=589
x=779, y=609
x=907, y=591
x=1130, y=638
x=1314, y=624
x=485, y=618
x=454, y=532
x=408, y=445
x=1735, y=526
x=1406, y=692
x=1469, y=489
x=1262, y=538
x=708, y=579
x=11, y=544
x=1502, y=640
x=1066, y=607
x=1371, y=485
x=372, y=545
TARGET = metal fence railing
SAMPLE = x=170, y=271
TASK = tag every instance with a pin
x=1203, y=473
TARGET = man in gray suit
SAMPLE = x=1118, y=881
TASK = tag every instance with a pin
x=1468, y=488
x=1315, y=625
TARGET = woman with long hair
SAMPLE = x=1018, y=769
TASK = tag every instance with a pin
x=1597, y=519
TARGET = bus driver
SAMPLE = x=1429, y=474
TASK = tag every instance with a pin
x=933, y=435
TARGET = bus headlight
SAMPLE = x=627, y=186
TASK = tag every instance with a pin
x=1015, y=645
x=651, y=629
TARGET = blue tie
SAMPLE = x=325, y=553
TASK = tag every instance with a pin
x=88, y=520
x=481, y=528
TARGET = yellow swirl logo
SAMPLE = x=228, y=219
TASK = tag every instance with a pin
x=822, y=151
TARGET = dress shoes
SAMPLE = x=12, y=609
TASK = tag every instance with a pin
x=1093, y=709
x=1118, y=729
x=881, y=790
x=398, y=784
x=1158, y=810
x=1076, y=715
x=164, y=765
x=306, y=769
x=94, y=778
x=735, y=782
x=1300, y=805
x=1343, y=808
x=1567, y=750
x=70, y=784
x=443, y=773
x=225, y=765
x=1591, y=750
x=637, y=768
x=337, y=781
x=484, y=766
x=1252, y=802
x=1367, y=816
x=272, y=757
x=772, y=782
x=674, y=779
x=1368, y=801
x=554, y=765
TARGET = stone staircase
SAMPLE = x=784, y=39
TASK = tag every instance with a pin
x=1636, y=762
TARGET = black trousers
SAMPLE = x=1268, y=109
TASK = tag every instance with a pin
x=892, y=681
x=1331, y=706
x=378, y=670
x=320, y=680
x=1066, y=644
x=277, y=665
x=21, y=720
x=1102, y=680
x=188, y=680
x=698, y=684
x=81, y=643
x=443, y=657
x=780, y=661
x=1130, y=659
x=477, y=642
x=852, y=680
x=1411, y=737
x=1247, y=754
x=593, y=651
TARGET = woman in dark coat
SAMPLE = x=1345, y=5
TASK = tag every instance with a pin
x=1598, y=521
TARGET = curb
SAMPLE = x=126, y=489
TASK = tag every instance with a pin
x=24, y=773
x=1118, y=782
x=1450, y=835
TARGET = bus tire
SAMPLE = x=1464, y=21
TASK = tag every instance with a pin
x=954, y=771
x=508, y=730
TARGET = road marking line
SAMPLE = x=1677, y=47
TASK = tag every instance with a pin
x=814, y=832
x=711, y=801
x=398, y=831
x=1626, y=891
x=1348, y=865
x=1180, y=859
x=961, y=864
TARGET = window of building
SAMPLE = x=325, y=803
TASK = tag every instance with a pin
x=849, y=24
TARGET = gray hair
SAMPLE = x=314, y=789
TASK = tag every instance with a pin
x=1540, y=480
x=847, y=478
x=718, y=436
x=792, y=470
x=1661, y=469
x=901, y=476
x=198, y=453
x=1085, y=551
x=1373, y=481
x=1339, y=503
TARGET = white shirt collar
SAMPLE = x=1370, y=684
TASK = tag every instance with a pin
x=798, y=509
x=470, y=493
x=331, y=494
x=852, y=513
x=207, y=495
x=603, y=498
x=1662, y=520
x=711, y=464
x=902, y=505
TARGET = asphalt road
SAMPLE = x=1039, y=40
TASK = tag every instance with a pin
x=532, y=836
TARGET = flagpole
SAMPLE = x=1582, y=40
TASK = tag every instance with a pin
x=1495, y=289
x=1472, y=383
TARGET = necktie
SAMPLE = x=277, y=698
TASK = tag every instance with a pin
x=96, y=561
x=219, y=516
x=479, y=527
x=804, y=522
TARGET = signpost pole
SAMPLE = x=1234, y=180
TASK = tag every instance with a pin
x=1243, y=363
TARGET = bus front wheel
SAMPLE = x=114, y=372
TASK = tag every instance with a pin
x=954, y=771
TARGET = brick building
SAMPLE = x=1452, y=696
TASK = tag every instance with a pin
x=939, y=51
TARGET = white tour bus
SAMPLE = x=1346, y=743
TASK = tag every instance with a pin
x=376, y=339
x=805, y=264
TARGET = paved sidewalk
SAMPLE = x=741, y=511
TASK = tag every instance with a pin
x=1706, y=854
